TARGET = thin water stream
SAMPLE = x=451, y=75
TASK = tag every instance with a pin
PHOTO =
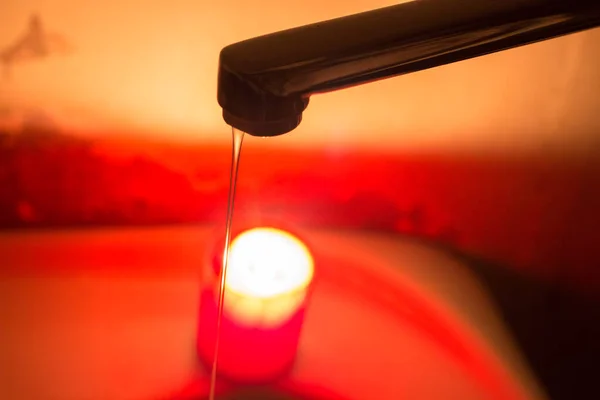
x=238, y=137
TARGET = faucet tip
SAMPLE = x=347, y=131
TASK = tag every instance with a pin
x=247, y=100
x=263, y=128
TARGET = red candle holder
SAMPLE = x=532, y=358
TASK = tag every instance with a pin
x=267, y=288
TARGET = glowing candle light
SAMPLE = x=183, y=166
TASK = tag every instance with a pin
x=268, y=279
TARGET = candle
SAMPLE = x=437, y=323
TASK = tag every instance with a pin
x=268, y=278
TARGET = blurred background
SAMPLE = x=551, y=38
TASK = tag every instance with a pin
x=108, y=117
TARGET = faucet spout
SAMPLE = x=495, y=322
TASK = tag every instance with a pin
x=265, y=83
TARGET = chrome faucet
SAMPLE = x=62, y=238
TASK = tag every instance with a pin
x=265, y=83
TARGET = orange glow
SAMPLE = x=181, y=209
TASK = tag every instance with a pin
x=267, y=277
x=156, y=78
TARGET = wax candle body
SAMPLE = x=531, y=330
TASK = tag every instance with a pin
x=266, y=290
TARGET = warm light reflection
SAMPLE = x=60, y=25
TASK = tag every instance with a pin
x=268, y=274
x=156, y=78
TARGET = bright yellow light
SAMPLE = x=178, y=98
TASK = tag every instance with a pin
x=266, y=262
x=268, y=273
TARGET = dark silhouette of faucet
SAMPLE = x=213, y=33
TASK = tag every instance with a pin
x=265, y=83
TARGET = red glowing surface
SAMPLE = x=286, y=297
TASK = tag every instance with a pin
x=125, y=328
x=537, y=215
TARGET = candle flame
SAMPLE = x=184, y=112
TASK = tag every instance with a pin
x=268, y=273
x=267, y=262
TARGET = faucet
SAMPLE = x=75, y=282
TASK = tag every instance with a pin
x=265, y=83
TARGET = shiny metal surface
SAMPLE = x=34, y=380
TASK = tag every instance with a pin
x=265, y=82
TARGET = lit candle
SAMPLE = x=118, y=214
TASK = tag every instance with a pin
x=268, y=278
